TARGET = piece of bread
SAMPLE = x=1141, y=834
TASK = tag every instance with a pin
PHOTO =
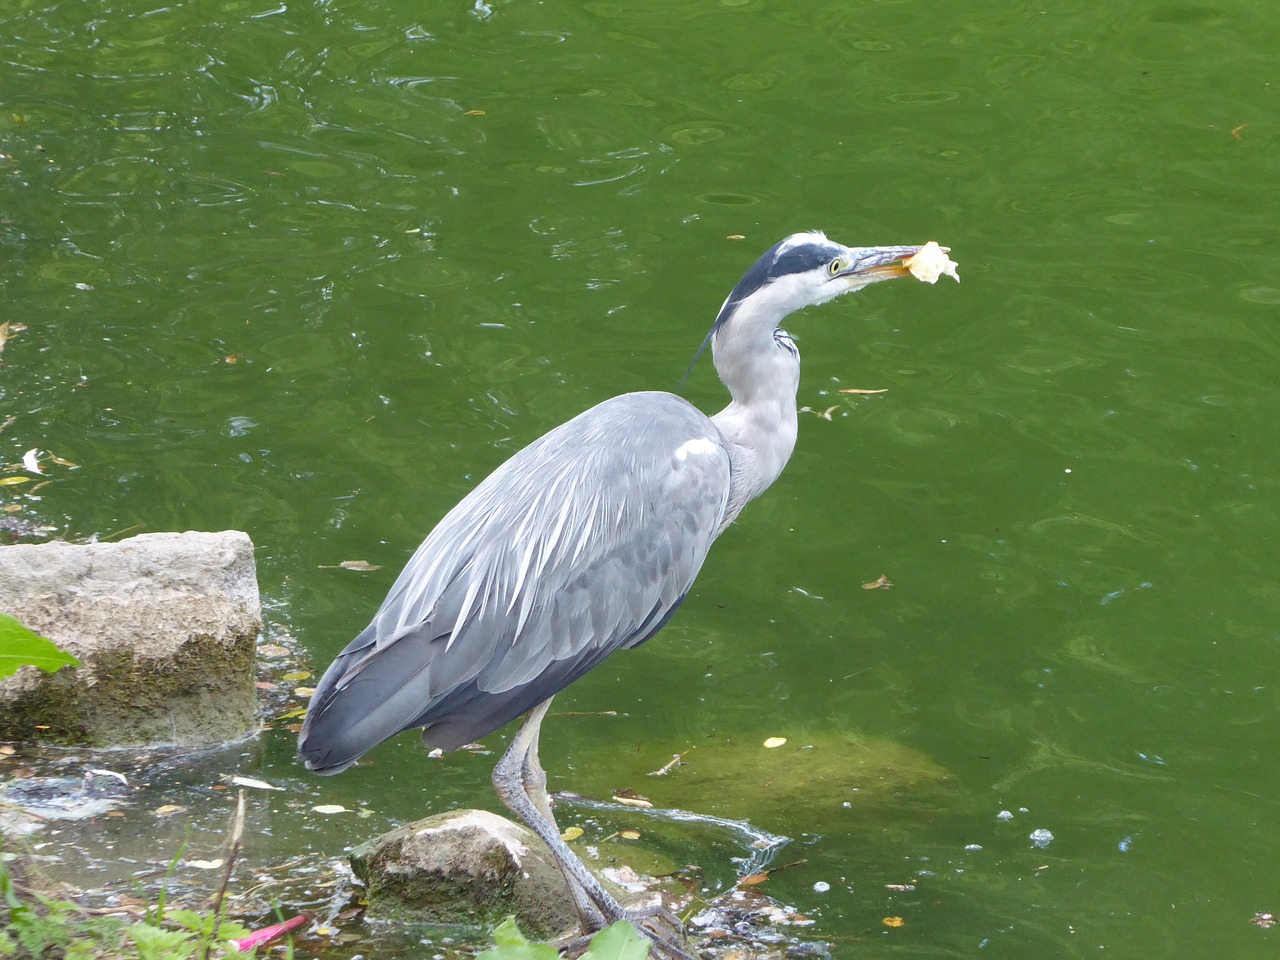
x=930, y=262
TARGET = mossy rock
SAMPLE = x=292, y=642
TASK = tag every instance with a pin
x=468, y=867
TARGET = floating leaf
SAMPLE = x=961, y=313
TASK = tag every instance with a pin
x=753, y=879
x=629, y=834
x=362, y=566
x=272, y=651
x=475, y=113
x=880, y=583
x=774, y=742
x=893, y=922
x=60, y=462
x=329, y=808
x=169, y=809
x=570, y=834
x=307, y=692
x=254, y=784
x=4, y=334
x=205, y=864
x=640, y=802
x=296, y=675
x=10, y=481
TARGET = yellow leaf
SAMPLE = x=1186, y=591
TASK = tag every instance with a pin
x=304, y=691
x=570, y=834
x=11, y=481
x=893, y=922
x=629, y=834
x=773, y=742
x=168, y=810
x=296, y=675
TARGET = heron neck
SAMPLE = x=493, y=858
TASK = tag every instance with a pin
x=762, y=373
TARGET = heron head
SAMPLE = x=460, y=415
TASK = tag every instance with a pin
x=807, y=269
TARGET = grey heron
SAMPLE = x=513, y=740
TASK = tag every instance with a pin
x=584, y=542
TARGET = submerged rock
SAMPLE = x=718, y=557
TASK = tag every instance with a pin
x=164, y=626
x=467, y=867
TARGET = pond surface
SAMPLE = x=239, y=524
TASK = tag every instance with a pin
x=310, y=270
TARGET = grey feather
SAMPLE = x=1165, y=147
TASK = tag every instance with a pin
x=582, y=543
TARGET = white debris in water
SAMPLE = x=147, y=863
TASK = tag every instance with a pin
x=1004, y=815
x=821, y=886
x=971, y=847
x=1041, y=838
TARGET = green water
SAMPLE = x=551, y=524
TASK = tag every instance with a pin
x=426, y=233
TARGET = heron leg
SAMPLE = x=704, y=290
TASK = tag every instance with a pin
x=521, y=784
x=521, y=761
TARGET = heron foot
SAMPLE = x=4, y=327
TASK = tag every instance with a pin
x=655, y=922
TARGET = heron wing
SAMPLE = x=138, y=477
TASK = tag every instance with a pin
x=584, y=542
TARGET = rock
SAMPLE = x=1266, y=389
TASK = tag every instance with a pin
x=467, y=867
x=164, y=626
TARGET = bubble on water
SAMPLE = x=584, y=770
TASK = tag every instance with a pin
x=821, y=886
x=1041, y=838
x=1004, y=815
x=971, y=847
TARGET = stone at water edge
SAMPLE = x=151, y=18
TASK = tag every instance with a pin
x=467, y=867
x=164, y=625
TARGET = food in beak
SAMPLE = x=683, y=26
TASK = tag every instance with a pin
x=930, y=262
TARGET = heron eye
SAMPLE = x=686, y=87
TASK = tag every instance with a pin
x=835, y=266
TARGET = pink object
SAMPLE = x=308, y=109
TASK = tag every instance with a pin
x=267, y=934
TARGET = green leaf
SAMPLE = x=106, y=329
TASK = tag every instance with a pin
x=155, y=943
x=512, y=945
x=507, y=934
x=19, y=647
x=621, y=941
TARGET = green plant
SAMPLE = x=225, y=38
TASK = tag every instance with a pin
x=621, y=941
x=20, y=647
x=40, y=926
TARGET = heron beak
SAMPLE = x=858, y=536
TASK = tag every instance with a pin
x=872, y=264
